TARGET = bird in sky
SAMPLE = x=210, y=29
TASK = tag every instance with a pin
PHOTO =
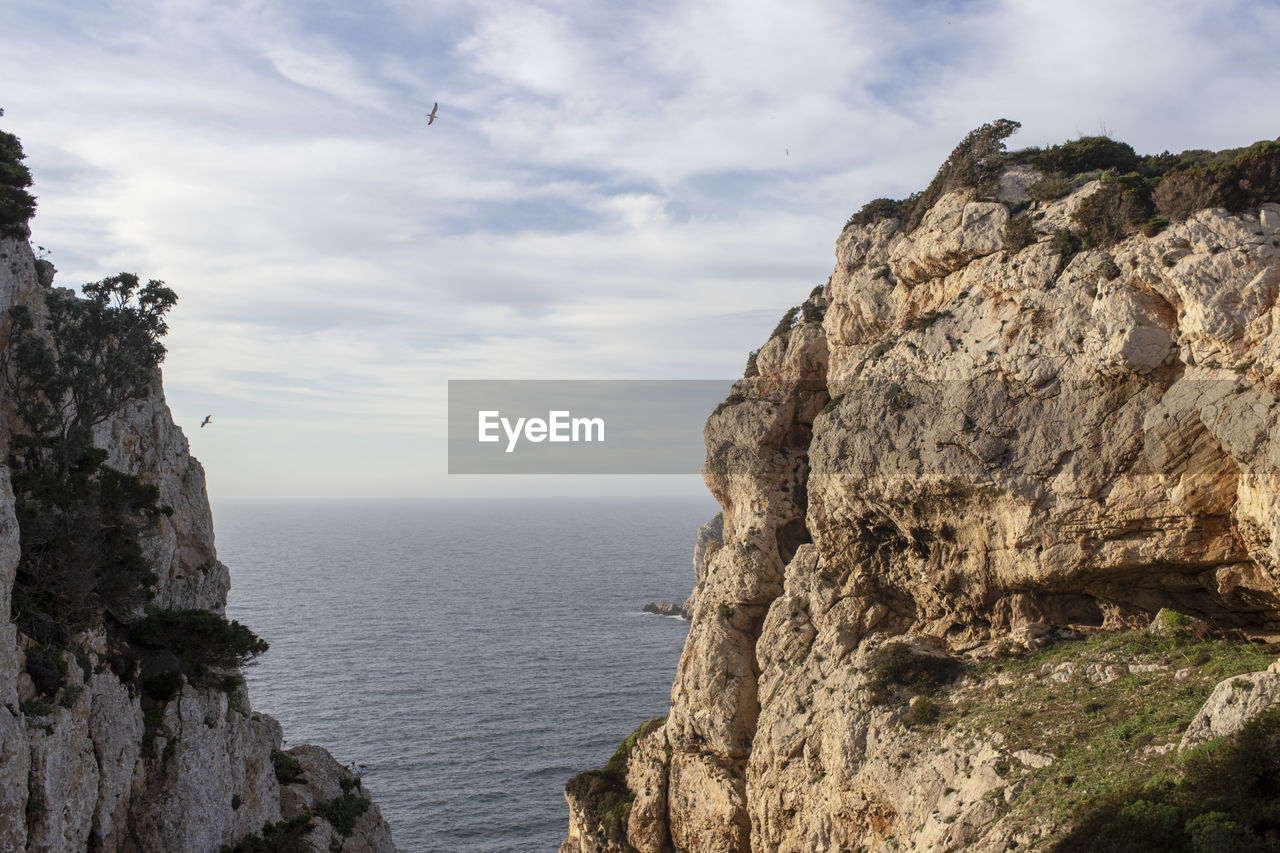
x=207, y=419
x=431, y=116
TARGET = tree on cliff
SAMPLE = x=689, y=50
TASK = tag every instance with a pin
x=17, y=206
x=68, y=368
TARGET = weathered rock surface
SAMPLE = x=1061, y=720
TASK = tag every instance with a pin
x=93, y=772
x=965, y=442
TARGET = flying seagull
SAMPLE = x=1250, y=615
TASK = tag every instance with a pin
x=431, y=116
x=207, y=419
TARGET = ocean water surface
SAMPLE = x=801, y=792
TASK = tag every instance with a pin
x=470, y=655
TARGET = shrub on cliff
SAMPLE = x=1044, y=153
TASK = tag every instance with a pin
x=1086, y=154
x=974, y=164
x=200, y=644
x=1248, y=178
x=894, y=669
x=880, y=209
x=1118, y=209
x=279, y=837
x=17, y=206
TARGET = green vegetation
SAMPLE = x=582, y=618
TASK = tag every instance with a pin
x=1109, y=735
x=288, y=769
x=17, y=206
x=974, y=164
x=1086, y=154
x=880, y=209
x=1237, y=179
x=79, y=520
x=895, y=671
x=618, y=762
x=922, y=711
x=1018, y=233
x=282, y=837
x=343, y=811
x=833, y=403
x=201, y=639
x=604, y=793
x=68, y=369
x=785, y=325
x=728, y=402
x=1141, y=193
x=1223, y=796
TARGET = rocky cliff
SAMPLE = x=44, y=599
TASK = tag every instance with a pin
x=93, y=755
x=999, y=515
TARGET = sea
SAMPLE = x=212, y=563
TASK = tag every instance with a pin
x=466, y=657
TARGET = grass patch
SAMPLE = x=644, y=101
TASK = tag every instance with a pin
x=1224, y=797
x=1097, y=733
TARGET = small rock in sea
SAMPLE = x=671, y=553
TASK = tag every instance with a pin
x=665, y=608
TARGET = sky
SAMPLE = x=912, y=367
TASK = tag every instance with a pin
x=611, y=190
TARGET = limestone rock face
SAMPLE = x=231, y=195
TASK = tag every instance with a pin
x=968, y=441
x=93, y=771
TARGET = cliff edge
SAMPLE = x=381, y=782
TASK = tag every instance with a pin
x=125, y=723
x=1000, y=531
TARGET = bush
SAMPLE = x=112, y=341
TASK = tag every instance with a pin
x=200, y=644
x=1227, y=799
x=785, y=325
x=343, y=811
x=163, y=687
x=281, y=837
x=880, y=209
x=17, y=206
x=1112, y=213
x=921, y=712
x=1087, y=154
x=894, y=668
x=1018, y=233
x=288, y=769
x=973, y=164
x=1065, y=244
x=1248, y=179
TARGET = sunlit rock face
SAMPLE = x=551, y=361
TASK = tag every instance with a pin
x=970, y=436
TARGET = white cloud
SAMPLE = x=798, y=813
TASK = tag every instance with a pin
x=609, y=192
